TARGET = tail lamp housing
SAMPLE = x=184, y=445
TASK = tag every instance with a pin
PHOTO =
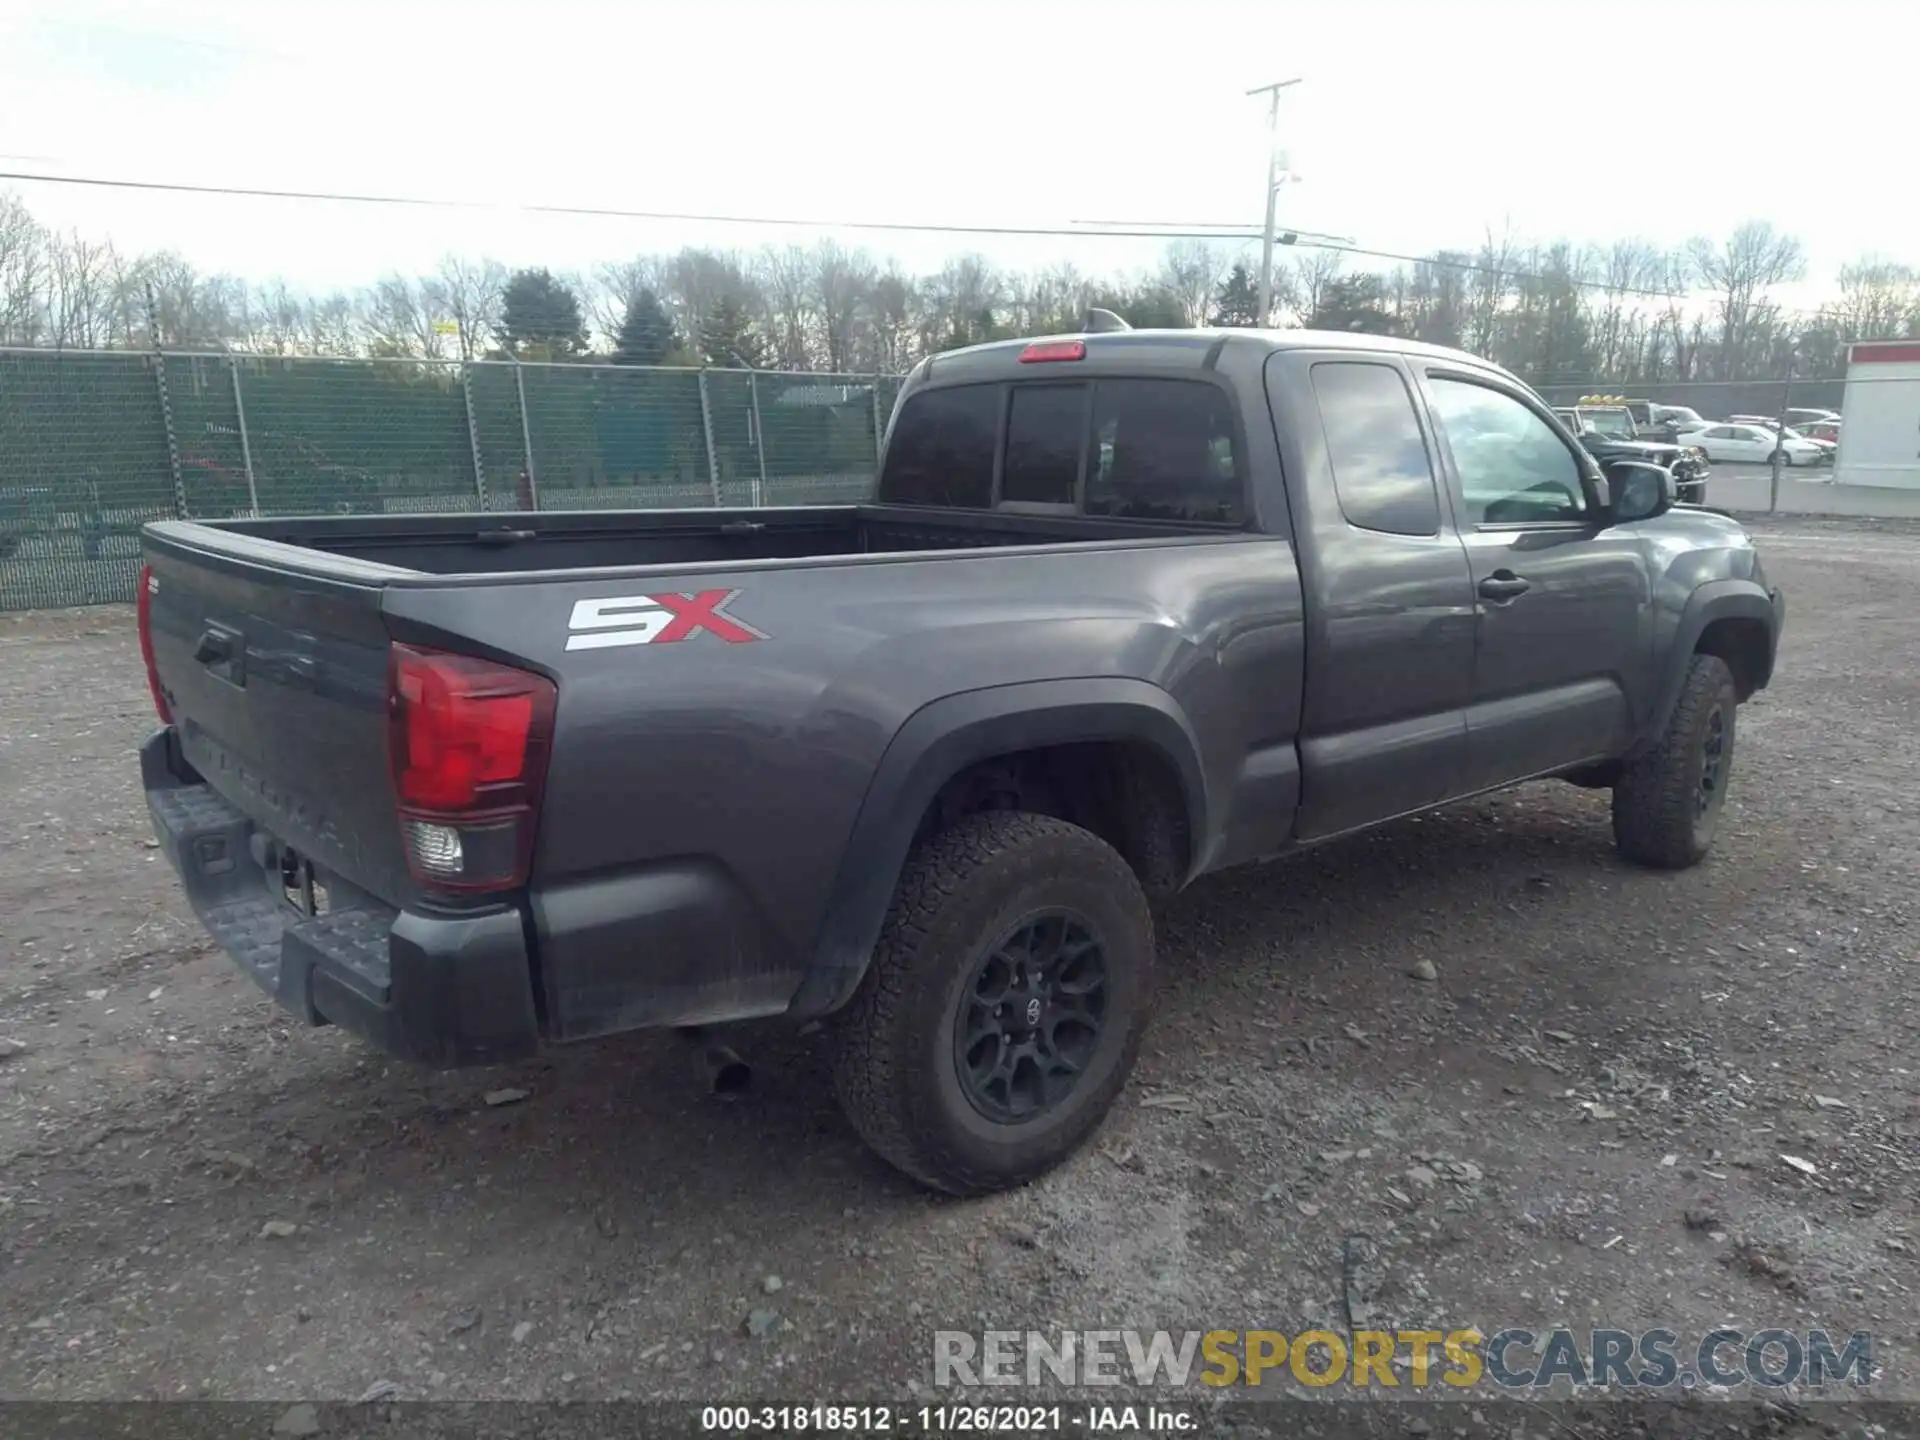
x=149, y=587
x=468, y=741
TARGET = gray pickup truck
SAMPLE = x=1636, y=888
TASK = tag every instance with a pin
x=1127, y=609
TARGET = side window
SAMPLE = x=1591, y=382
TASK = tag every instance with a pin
x=1513, y=469
x=941, y=452
x=1720, y=432
x=1380, y=467
x=1046, y=425
x=1164, y=450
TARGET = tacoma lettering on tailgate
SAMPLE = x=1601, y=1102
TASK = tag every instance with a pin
x=656, y=620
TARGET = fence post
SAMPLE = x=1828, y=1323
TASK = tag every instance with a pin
x=166, y=411
x=526, y=437
x=878, y=424
x=246, y=444
x=473, y=433
x=706, y=424
x=759, y=438
x=1780, y=439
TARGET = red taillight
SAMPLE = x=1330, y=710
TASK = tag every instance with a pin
x=1044, y=350
x=468, y=741
x=149, y=587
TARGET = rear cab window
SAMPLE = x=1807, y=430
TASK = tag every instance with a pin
x=1382, y=474
x=1148, y=448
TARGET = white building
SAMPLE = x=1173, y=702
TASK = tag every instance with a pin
x=1880, y=424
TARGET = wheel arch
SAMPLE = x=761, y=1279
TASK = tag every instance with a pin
x=944, y=740
x=1732, y=619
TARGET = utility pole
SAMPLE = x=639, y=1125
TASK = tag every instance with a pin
x=1273, y=190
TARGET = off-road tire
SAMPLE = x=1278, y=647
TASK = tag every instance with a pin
x=962, y=891
x=1657, y=819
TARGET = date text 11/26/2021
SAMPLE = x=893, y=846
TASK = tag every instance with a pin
x=946, y=1419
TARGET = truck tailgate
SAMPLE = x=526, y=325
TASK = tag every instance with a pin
x=277, y=685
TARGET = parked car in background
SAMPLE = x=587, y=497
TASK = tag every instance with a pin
x=1754, y=443
x=1797, y=416
x=1670, y=422
x=1827, y=447
x=1827, y=430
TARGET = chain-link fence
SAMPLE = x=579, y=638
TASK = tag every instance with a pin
x=95, y=443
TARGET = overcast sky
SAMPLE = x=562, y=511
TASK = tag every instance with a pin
x=1417, y=125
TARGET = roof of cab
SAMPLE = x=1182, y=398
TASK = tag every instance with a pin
x=1174, y=348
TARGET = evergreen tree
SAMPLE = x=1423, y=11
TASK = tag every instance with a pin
x=646, y=333
x=728, y=336
x=540, y=318
x=1355, y=303
x=1237, y=300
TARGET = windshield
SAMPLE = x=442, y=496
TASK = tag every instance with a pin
x=1615, y=423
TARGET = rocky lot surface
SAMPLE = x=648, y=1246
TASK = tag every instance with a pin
x=1467, y=1070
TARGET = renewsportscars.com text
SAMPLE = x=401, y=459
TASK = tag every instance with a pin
x=1509, y=1359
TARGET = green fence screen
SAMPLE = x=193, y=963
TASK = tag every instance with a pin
x=95, y=443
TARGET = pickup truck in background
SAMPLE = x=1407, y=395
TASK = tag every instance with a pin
x=1645, y=419
x=1128, y=608
x=1607, y=434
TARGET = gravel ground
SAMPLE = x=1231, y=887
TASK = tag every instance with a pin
x=1580, y=1120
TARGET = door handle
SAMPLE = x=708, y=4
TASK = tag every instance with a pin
x=1504, y=585
x=215, y=647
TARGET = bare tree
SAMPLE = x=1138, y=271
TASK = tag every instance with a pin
x=1190, y=272
x=842, y=286
x=786, y=292
x=408, y=317
x=1489, y=292
x=274, y=319
x=23, y=247
x=1313, y=271
x=1740, y=271
x=332, y=326
x=1618, y=272
x=471, y=290
x=79, y=291
x=893, y=307
x=1879, y=299
x=962, y=303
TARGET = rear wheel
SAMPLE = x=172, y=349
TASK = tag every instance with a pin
x=1004, y=1005
x=1667, y=803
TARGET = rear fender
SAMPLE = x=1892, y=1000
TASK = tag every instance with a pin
x=941, y=740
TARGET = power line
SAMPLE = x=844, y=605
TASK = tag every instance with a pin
x=1305, y=240
x=436, y=203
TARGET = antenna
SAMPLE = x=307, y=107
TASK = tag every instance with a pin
x=1104, y=322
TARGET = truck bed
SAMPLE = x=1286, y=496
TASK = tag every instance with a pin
x=500, y=544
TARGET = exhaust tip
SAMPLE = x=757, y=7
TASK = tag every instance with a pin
x=727, y=1073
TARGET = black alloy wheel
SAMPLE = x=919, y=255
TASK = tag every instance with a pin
x=1030, y=1018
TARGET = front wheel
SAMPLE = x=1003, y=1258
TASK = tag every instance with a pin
x=1004, y=1005
x=1667, y=803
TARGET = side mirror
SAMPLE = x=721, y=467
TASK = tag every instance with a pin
x=1640, y=490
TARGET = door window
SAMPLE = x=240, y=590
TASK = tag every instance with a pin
x=1514, y=470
